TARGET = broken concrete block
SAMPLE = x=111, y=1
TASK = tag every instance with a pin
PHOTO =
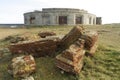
x=43, y=47
x=70, y=60
x=71, y=37
x=68, y=65
x=75, y=51
x=44, y=34
x=92, y=50
x=75, y=57
x=90, y=38
x=22, y=66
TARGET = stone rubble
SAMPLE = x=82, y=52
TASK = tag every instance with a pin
x=45, y=34
x=74, y=46
x=22, y=66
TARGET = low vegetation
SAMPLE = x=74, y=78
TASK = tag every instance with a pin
x=104, y=65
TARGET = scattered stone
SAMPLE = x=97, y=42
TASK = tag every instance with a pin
x=22, y=66
x=44, y=34
x=30, y=36
x=62, y=72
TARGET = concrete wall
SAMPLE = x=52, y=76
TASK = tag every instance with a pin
x=50, y=16
x=89, y=19
x=71, y=19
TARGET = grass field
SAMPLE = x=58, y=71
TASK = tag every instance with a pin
x=104, y=65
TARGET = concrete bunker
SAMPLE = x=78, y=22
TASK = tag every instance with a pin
x=32, y=20
x=60, y=16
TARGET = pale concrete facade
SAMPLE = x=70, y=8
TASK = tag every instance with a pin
x=59, y=16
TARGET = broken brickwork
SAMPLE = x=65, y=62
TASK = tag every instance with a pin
x=74, y=46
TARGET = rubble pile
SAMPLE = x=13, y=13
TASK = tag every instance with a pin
x=22, y=66
x=74, y=46
x=37, y=48
x=76, y=43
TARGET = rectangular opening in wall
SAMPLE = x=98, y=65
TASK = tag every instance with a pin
x=79, y=20
x=62, y=20
x=98, y=20
x=32, y=20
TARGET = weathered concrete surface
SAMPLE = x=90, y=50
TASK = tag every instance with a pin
x=92, y=50
x=70, y=60
x=68, y=65
x=75, y=51
x=71, y=37
x=90, y=38
x=76, y=44
x=51, y=16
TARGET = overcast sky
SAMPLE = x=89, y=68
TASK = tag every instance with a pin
x=11, y=11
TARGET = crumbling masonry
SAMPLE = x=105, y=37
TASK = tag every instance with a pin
x=72, y=47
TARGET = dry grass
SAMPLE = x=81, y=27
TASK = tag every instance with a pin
x=7, y=31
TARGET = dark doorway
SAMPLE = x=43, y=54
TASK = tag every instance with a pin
x=79, y=20
x=32, y=19
x=98, y=20
x=62, y=20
